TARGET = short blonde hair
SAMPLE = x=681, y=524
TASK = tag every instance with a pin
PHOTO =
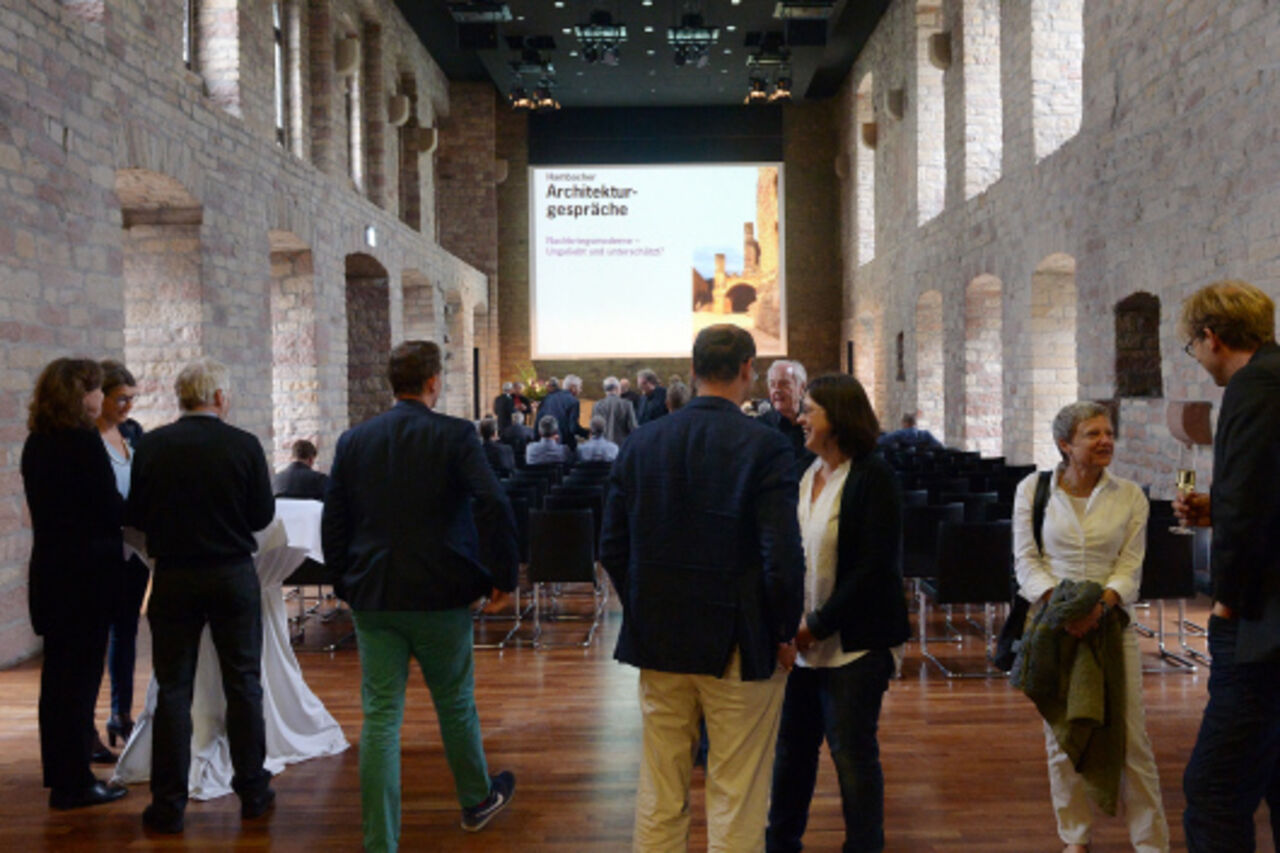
x=198, y=381
x=1240, y=314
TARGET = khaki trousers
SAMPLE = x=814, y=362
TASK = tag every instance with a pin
x=742, y=727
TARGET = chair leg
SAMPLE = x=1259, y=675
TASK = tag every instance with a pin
x=1183, y=627
x=1166, y=653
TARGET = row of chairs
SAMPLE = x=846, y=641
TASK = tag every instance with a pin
x=558, y=512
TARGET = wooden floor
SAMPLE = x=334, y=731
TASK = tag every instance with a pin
x=963, y=760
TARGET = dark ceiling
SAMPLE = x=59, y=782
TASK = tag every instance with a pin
x=816, y=52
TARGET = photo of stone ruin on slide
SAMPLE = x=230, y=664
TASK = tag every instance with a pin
x=749, y=295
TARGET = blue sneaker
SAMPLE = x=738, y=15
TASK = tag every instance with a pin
x=501, y=787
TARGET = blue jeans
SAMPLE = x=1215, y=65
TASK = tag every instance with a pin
x=841, y=704
x=1236, y=760
x=440, y=641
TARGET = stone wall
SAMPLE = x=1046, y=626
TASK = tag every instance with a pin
x=1167, y=180
x=132, y=194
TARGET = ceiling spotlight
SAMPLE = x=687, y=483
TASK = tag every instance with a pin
x=781, y=90
x=542, y=98
x=520, y=99
x=758, y=92
x=600, y=38
x=691, y=41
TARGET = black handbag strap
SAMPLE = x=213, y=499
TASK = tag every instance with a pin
x=1038, y=507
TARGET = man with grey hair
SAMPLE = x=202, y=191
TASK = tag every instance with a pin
x=563, y=406
x=504, y=404
x=787, y=380
x=547, y=450
x=619, y=416
x=653, y=404
x=597, y=448
x=200, y=488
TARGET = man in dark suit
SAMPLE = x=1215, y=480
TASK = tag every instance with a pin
x=562, y=405
x=517, y=437
x=1229, y=327
x=653, y=404
x=504, y=404
x=787, y=380
x=300, y=479
x=701, y=540
x=498, y=455
x=200, y=489
x=402, y=547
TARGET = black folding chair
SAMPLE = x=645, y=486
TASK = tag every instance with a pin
x=1168, y=572
x=973, y=503
x=562, y=550
x=920, y=550
x=973, y=567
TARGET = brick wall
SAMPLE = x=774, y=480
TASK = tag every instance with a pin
x=93, y=101
x=1164, y=183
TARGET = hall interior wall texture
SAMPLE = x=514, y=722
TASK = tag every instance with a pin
x=1166, y=178
x=147, y=210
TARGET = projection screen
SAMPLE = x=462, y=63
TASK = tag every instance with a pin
x=632, y=261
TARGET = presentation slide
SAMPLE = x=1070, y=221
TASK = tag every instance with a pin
x=632, y=261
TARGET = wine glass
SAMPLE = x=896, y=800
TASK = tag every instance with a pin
x=1185, y=482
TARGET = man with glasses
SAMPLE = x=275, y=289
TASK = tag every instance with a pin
x=1230, y=330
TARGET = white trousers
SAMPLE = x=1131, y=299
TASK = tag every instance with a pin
x=1140, y=802
x=742, y=727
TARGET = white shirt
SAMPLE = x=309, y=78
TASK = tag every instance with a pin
x=1106, y=544
x=820, y=532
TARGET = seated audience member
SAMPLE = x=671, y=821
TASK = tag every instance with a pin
x=910, y=436
x=500, y=456
x=300, y=479
x=517, y=437
x=597, y=448
x=618, y=414
x=677, y=395
x=548, y=448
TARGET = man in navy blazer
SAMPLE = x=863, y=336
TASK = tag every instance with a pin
x=402, y=548
x=701, y=540
x=562, y=404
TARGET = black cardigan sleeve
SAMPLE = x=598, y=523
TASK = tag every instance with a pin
x=868, y=593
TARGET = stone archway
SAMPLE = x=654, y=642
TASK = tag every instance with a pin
x=983, y=367
x=930, y=392
x=295, y=379
x=163, y=299
x=1054, y=378
x=368, y=337
x=740, y=297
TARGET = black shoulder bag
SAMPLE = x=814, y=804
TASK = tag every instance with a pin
x=1004, y=653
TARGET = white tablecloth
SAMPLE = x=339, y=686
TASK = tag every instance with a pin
x=298, y=726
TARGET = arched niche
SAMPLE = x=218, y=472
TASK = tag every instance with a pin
x=983, y=366
x=368, y=336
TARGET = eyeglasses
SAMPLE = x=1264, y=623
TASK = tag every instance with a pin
x=1191, y=343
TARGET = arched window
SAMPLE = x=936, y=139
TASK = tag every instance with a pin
x=983, y=367
x=983, y=119
x=1057, y=72
x=930, y=390
x=865, y=178
x=1138, y=346
x=931, y=148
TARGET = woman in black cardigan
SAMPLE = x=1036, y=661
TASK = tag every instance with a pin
x=76, y=553
x=855, y=622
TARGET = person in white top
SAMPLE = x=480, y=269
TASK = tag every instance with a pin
x=855, y=621
x=1095, y=528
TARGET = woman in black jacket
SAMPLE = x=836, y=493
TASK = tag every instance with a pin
x=76, y=514
x=855, y=622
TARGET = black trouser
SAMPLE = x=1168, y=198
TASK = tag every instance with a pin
x=183, y=601
x=69, y=679
x=122, y=648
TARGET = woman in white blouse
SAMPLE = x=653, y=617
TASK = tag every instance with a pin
x=855, y=620
x=119, y=435
x=1095, y=528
